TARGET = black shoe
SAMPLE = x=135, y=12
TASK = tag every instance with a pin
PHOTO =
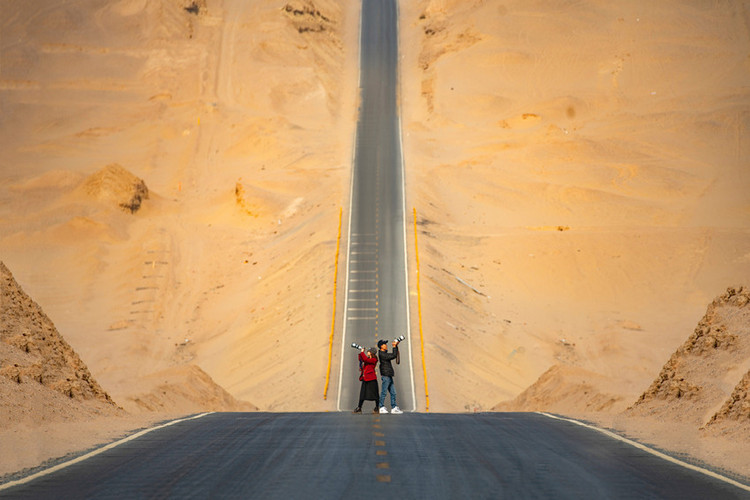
x=376, y=410
x=357, y=410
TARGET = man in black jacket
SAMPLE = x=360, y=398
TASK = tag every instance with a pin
x=386, y=374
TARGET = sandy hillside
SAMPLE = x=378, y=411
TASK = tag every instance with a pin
x=170, y=187
x=580, y=176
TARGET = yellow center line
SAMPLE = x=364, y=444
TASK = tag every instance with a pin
x=378, y=433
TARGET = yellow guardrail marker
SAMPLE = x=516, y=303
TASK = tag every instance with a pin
x=333, y=318
x=419, y=308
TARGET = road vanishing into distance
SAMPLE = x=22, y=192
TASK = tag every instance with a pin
x=376, y=286
x=341, y=455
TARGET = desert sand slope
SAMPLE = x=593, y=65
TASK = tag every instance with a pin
x=579, y=171
x=170, y=186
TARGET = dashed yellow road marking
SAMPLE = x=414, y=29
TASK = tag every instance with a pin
x=382, y=478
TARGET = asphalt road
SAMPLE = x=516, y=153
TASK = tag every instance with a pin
x=376, y=284
x=340, y=455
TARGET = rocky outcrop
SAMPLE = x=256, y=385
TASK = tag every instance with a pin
x=307, y=17
x=737, y=407
x=114, y=184
x=692, y=384
x=35, y=352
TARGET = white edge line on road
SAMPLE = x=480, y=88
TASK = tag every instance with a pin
x=653, y=452
x=403, y=209
x=349, y=230
x=95, y=452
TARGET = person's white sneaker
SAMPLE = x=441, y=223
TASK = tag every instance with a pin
x=383, y=409
x=396, y=410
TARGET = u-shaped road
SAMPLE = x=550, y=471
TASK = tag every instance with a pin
x=340, y=455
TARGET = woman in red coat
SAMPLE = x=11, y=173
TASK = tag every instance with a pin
x=369, y=389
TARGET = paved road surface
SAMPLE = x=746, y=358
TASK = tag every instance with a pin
x=340, y=455
x=376, y=290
